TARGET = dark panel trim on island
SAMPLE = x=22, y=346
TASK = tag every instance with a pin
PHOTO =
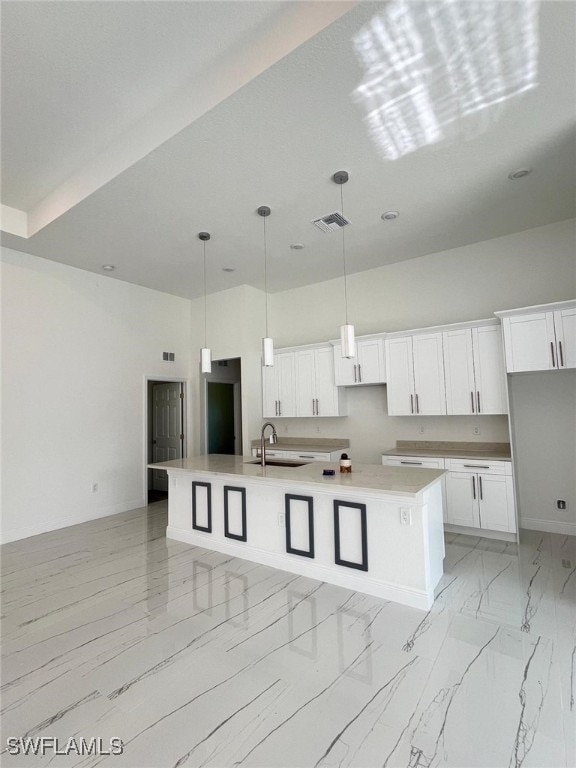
x=288, y=498
x=239, y=536
x=195, y=525
x=362, y=566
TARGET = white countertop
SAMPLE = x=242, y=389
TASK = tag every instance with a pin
x=402, y=481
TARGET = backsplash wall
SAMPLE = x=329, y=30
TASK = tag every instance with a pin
x=371, y=431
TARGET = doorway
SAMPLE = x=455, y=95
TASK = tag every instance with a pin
x=165, y=433
x=223, y=408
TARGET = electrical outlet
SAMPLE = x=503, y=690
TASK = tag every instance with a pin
x=282, y=519
x=421, y=429
x=560, y=504
x=405, y=516
x=94, y=487
x=476, y=429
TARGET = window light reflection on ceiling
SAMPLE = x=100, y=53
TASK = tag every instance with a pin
x=442, y=70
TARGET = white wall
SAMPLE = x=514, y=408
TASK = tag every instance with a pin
x=76, y=348
x=544, y=434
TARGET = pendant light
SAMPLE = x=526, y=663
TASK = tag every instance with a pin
x=267, y=342
x=205, y=353
x=347, y=338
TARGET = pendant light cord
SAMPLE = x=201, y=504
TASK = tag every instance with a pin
x=344, y=256
x=265, y=274
x=205, y=311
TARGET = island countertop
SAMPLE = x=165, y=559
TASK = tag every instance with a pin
x=401, y=481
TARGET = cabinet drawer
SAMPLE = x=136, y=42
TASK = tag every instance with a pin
x=425, y=462
x=272, y=454
x=477, y=465
x=310, y=455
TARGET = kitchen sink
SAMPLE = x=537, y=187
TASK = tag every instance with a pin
x=280, y=463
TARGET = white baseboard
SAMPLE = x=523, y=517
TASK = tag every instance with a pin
x=482, y=532
x=415, y=598
x=64, y=522
x=549, y=526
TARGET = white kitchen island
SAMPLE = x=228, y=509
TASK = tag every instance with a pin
x=377, y=530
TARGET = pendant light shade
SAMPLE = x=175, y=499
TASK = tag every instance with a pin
x=205, y=353
x=347, y=337
x=267, y=342
x=348, y=340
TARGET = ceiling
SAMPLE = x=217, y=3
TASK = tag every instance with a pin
x=128, y=127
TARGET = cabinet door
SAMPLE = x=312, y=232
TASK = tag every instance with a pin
x=286, y=384
x=345, y=368
x=530, y=342
x=496, y=505
x=489, y=369
x=565, y=325
x=326, y=393
x=429, y=382
x=269, y=391
x=462, y=499
x=370, y=360
x=459, y=367
x=305, y=382
x=400, y=374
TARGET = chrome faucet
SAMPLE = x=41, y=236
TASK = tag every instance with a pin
x=273, y=439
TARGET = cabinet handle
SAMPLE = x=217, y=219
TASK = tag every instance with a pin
x=303, y=456
x=476, y=466
x=478, y=401
x=561, y=354
x=417, y=405
x=480, y=486
x=474, y=486
x=313, y=407
x=276, y=406
x=411, y=403
x=355, y=378
x=472, y=401
x=411, y=462
x=552, y=351
x=317, y=408
x=279, y=407
x=359, y=373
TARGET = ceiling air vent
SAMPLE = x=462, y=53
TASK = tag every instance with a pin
x=331, y=222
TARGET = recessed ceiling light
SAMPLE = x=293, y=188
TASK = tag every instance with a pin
x=389, y=215
x=228, y=269
x=519, y=174
x=108, y=267
x=297, y=246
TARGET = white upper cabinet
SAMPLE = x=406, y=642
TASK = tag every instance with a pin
x=540, y=338
x=415, y=375
x=278, y=387
x=316, y=392
x=474, y=365
x=367, y=367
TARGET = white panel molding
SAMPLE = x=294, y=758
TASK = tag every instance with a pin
x=64, y=522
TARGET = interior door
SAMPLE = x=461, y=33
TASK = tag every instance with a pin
x=221, y=417
x=167, y=434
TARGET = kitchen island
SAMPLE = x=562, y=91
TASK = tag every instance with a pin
x=377, y=530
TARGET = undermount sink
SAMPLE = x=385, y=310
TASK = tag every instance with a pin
x=280, y=463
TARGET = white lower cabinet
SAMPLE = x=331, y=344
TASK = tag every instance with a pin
x=480, y=495
x=476, y=495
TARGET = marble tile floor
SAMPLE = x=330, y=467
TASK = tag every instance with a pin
x=193, y=658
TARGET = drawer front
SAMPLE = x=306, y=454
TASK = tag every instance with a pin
x=310, y=455
x=272, y=454
x=475, y=465
x=413, y=461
